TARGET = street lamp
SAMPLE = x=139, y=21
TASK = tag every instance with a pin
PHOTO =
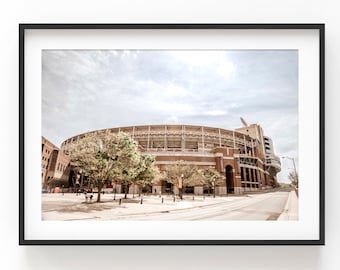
x=213, y=187
x=115, y=190
x=296, y=175
x=180, y=186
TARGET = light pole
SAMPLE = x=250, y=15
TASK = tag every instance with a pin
x=115, y=190
x=180, y=186
x=213, y=187
x=295, y=172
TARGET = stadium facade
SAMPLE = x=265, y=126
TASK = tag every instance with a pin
x=245, y=156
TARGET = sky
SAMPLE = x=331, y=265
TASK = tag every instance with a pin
x=85, y=90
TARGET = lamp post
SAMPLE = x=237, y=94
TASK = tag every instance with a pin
x=180, y=186
x=213, y=187
x=296, y=175
x=115, y=190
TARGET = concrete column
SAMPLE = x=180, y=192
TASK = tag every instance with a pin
x=198, y=190
x=118, y=188
x=203, y=139
x=247, y=178
x=258, y=178
x=221, y=190
x=252, y=147
x=262, y=179
x=148, y=145
x=165, y=138
x=219, y=136
x=253, y=178
x=238, y=190
x=244, y=179
x=134, y=189
x=237, y=181
x=245, y=144
x=234, y=139
x=156, y=189
x=183, y=139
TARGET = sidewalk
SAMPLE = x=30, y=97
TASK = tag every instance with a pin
x=71, y=207
x=291, y=209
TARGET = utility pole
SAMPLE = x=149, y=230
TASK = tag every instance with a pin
x=296, y=175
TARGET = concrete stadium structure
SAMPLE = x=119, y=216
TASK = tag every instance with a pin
x=245, y=156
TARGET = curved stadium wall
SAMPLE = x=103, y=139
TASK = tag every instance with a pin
x=238, y=154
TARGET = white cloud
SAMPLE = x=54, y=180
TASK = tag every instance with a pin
x=172, y=120
x=215, y=60
x=226, y=69
x=178, y=108
x=234, y=105
x=172, y=90
x=215, y=113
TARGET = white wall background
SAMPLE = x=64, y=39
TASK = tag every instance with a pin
x=13, y=256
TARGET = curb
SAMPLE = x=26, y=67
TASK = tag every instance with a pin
x=287, y=213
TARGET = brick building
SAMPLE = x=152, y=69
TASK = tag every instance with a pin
x=55, y=166
x=245, y=156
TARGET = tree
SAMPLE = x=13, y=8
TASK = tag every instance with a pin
x=128, y=160
x=96, y=158
x=212, y=178
x=112, y=156
x=294, y=178
x=148, y=172
x=180, y=175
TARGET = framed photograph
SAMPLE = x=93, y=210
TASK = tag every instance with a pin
x=171, y=134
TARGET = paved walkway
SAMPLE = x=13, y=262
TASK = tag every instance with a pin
x=72, y=207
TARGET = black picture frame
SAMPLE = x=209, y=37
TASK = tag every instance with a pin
x=24, y=28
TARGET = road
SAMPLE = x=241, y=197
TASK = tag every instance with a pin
x=266, y=206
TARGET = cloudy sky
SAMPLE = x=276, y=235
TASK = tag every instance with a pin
x=89, y=90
